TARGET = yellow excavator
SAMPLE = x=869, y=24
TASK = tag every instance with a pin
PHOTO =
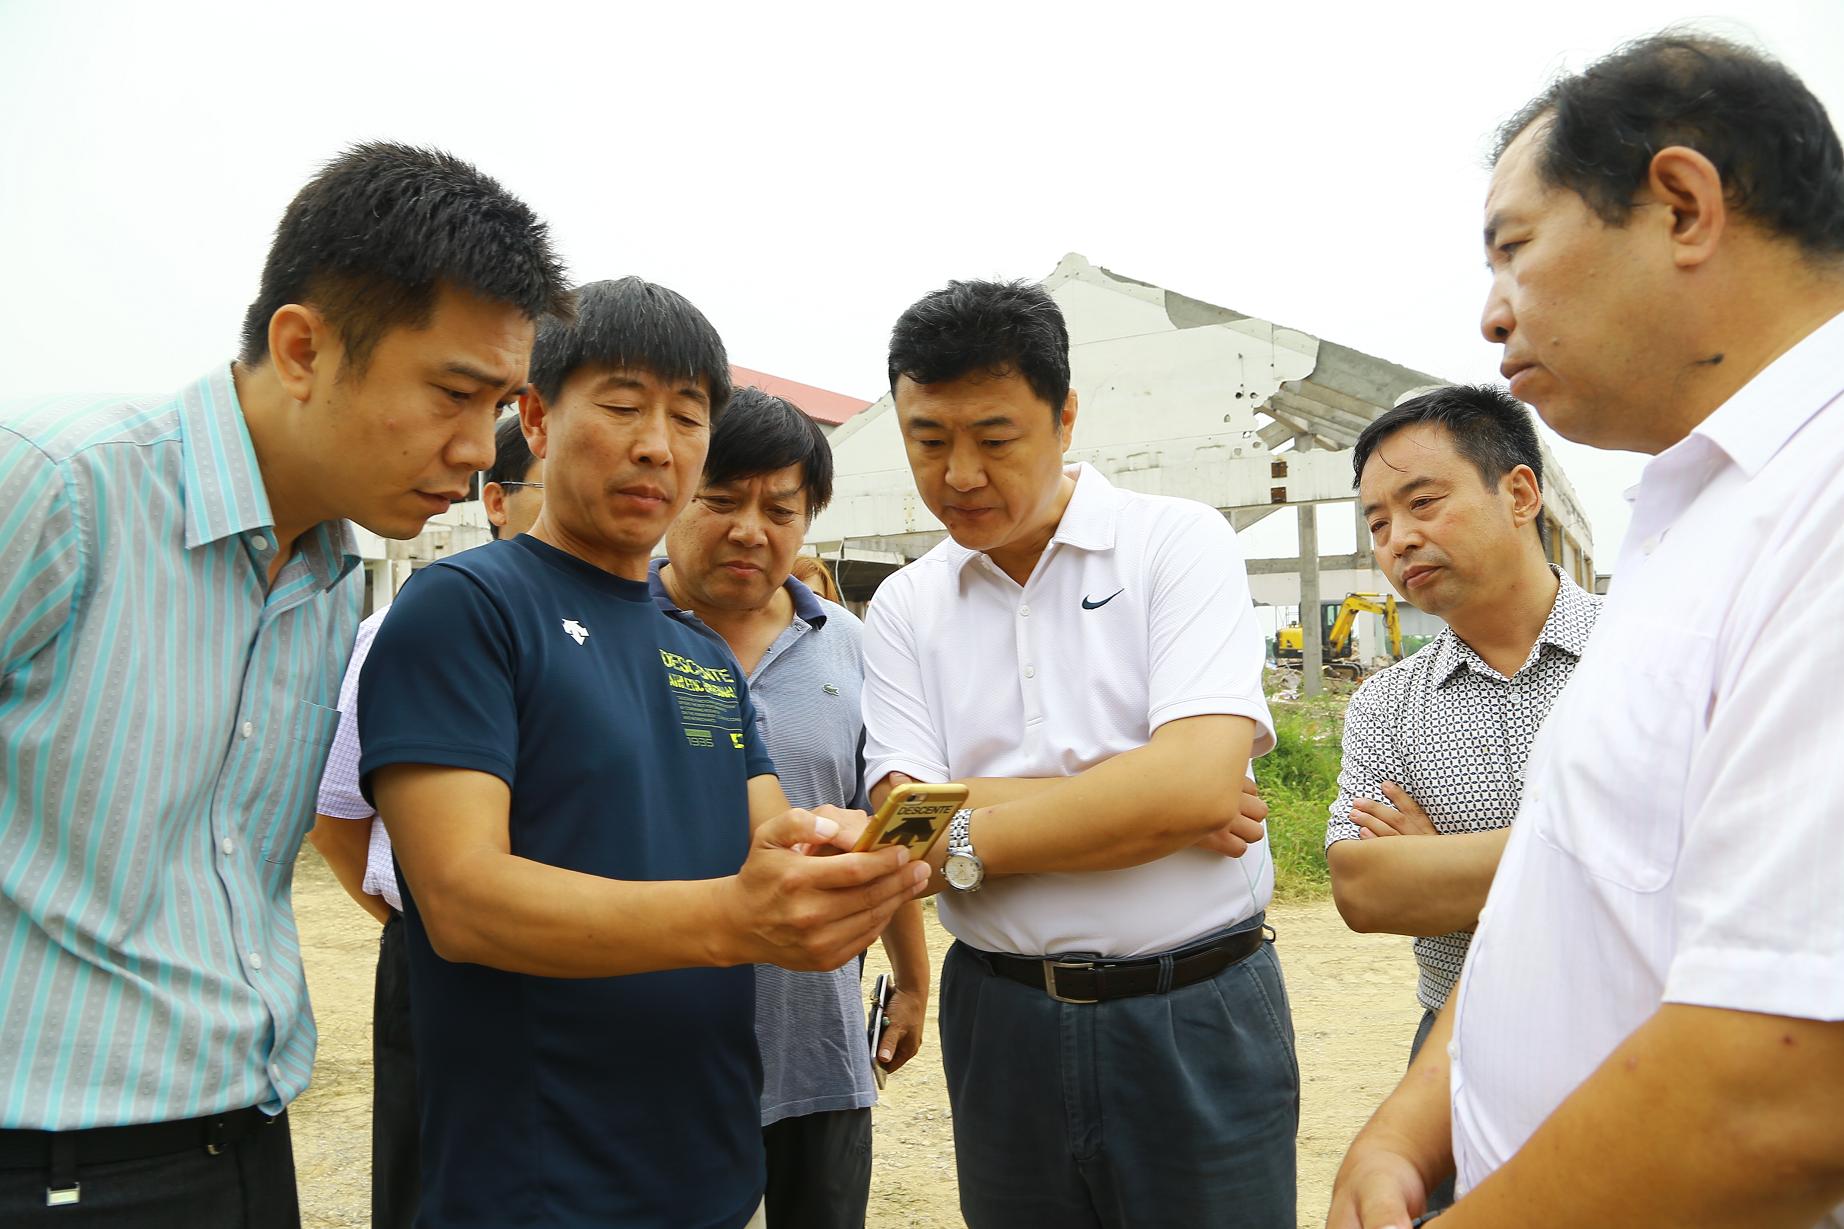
x=1340, y=647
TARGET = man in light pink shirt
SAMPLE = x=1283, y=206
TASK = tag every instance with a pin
x=351, y=837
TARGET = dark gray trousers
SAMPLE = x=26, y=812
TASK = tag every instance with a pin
x=1441, y=1196
x=396, y=1131
x=819, y=1170
x=1177, y=1109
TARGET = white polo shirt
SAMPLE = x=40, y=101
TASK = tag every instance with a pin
x=1137, y=614
x=1678, y=839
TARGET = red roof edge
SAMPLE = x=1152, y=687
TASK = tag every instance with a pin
x=817, y=403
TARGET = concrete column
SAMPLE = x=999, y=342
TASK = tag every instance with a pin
x=1312, y=681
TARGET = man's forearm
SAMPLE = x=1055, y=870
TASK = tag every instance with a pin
x=906, y=944
x=1133, y=808
x=510, y=913
x=1720, y=1119
x=1415, y=1121
x=345, y=844
x=1415, y=885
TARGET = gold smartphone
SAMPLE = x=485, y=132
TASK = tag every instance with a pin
x=914, y=816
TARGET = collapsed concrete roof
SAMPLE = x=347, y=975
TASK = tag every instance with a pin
x=1180, y=397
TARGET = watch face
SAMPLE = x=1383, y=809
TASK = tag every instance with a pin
x=961, y=871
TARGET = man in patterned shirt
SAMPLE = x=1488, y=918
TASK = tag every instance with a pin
x=1450, y=484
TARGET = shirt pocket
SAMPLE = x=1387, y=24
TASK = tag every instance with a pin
x=310, y=731
x=1617, y=751
x=313, y=724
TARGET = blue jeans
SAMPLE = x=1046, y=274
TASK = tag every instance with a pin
x=1177, y=1109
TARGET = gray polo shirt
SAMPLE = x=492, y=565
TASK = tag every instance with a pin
x=810, y=1026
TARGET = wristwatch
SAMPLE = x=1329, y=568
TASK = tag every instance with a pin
x=963, y=869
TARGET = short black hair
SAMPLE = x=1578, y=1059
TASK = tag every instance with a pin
x=990, y=328
x=371, y=238
x=1768, y=136
x=630, y=322
x=1489, y=426
x=512, y=458
x=761, y=433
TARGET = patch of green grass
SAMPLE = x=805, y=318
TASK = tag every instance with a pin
x=1299, y=780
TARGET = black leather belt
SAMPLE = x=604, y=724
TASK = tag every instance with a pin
x=1096, y=981
x=26, y=1149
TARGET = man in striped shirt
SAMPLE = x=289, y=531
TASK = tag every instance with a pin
x=176, y=607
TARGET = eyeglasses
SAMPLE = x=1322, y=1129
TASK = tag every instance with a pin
x=507, y=486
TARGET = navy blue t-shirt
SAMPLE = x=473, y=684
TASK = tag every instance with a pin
x=627, y=740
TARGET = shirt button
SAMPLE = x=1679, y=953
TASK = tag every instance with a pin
x=275, y=1073
x=1030, y=672
x=228, y=846
x=1024, y=612
x=249, y=728
x=1650, y=544
x=260, y=542
x=256, y=960
x=1453, y=1051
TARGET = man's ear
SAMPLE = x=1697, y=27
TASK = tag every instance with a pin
x=1689, y=185
x=1525, y=494
x=493, y=499
x=1066, y=421
x=535, y=421
x=303, y=350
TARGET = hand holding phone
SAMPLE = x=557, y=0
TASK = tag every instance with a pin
x=914, y=815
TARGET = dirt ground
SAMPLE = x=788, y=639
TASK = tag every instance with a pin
x=1354, y=1012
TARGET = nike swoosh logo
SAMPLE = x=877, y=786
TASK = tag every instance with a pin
x=1089, y=603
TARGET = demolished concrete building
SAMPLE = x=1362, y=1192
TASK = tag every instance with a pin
x=1182, y=397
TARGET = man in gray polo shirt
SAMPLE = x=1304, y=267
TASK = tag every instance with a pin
x=729, y=555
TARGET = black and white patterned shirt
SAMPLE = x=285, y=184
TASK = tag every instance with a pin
x=1455, y=734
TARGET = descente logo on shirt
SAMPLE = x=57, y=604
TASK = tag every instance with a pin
x=710, y=711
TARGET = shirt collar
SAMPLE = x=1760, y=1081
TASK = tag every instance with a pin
x=1088, y=521
x=222, y=485
x=807, y=605
x=224, y=491
x=1571, y=618
x=1756, y=423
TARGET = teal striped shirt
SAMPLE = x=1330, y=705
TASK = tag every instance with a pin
x=164, y=714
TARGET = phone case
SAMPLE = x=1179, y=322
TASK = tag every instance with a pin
x=915, y=816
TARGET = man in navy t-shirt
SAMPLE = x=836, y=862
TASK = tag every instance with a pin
x=592, y=845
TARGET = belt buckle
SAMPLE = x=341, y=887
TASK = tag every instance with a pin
x=1050, y=968
x=63, y=1196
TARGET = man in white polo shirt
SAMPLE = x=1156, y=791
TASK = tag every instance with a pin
x=1114, y=1027
x=1650, y=1028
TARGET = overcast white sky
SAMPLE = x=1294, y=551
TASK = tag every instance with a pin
x=803, y=172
